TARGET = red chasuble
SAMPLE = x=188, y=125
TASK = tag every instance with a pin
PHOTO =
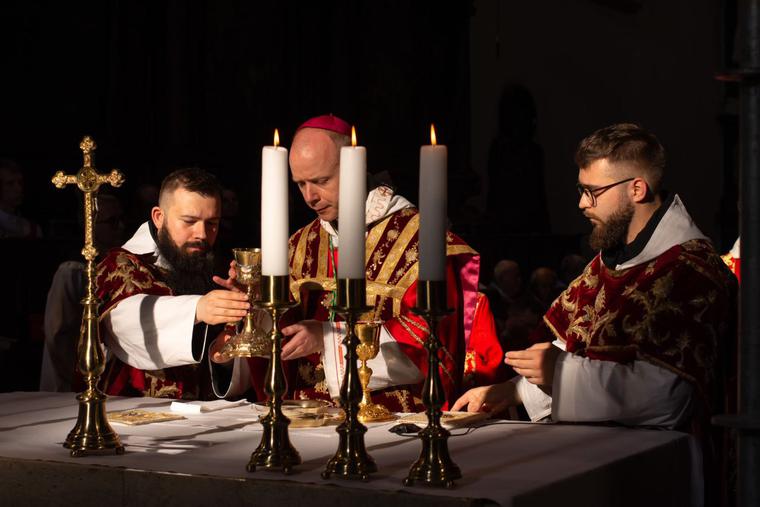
x=123, y=274
x=471, y=352
x=675, y=311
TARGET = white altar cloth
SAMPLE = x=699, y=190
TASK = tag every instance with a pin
x=505, y=464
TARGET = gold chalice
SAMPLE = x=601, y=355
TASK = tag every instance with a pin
x=368, y=332
x=252, y=340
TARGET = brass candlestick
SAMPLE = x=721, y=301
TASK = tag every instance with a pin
x=434, y=467
x=251, y=341
x=368, y=334
x=351, y=460
x=92, y=433
x=275, y=450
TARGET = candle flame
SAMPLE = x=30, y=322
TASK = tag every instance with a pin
x=276, y=138
x=353, y=136
x=432, y=134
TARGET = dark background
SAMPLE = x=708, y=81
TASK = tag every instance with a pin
x=164, y=84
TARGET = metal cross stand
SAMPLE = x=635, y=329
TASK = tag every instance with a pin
x=92, y=433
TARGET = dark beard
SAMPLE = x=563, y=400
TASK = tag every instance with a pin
x=190, y=273
x=612, y=233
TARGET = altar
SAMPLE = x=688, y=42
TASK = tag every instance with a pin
x=200, y=460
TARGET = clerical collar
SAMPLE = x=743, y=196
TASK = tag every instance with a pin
x=621, y=254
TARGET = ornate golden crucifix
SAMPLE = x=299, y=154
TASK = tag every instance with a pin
x=92, y=432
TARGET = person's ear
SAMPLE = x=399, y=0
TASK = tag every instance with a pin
x=158, y=217
x=639, y=190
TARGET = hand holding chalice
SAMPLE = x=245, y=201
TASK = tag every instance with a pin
x=252, y=340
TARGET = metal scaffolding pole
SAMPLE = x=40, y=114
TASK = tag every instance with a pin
x=747, y=421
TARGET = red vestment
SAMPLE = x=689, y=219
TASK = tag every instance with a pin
x=675, y=311
x=120, y=275
x=471, y=352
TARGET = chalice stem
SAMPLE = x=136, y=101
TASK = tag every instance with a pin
x=365, y=373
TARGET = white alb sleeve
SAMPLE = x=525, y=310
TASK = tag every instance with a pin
x=638, y=393
x=235, y=382
x=154, y=332
x=391, y=367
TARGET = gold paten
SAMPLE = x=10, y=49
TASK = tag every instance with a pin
x=275, y=452
x=351, y=460
x=251, y=340
x=92, y=433
x=368, y=333
x=434, y=467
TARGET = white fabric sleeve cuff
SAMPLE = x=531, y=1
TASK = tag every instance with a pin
x=240, y=380
x=537, y=403
x=639, y=393
x=153, y=332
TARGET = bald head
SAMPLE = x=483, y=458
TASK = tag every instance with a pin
x=315, y=168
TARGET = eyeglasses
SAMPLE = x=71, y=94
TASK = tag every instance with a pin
x=592, y=193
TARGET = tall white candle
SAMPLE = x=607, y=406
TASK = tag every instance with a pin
x=351, y=210
x=274, y=209
x=432, y=198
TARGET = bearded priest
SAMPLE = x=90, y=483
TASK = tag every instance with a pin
x=159, y=307
x=646, y=335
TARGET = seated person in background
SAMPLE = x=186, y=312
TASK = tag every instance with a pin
x=63, y=310
x=505, y=289
x=12, y=224
x=639, y=337
x=157, y=295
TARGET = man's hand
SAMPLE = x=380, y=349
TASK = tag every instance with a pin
x=535, y=363
x=221, y=307
x=230, y=283
x=306, y=337
x=493, y=398
x=217, y=345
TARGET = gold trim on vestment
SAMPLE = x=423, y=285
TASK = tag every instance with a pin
x=553, y=330
x=399, y=248
x=300, y=253
x=374, y=237
x=324, y=252
x=373, y=288
x=406, y=281
x=460, y=249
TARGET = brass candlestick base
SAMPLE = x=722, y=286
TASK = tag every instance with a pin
x=91, y=433
x=368, y=333
x=275, y=452
x=351, y=460
x=251, y=341
x=434, y=467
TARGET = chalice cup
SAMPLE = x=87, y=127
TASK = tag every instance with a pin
x=368, y=332
x=251, y=340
